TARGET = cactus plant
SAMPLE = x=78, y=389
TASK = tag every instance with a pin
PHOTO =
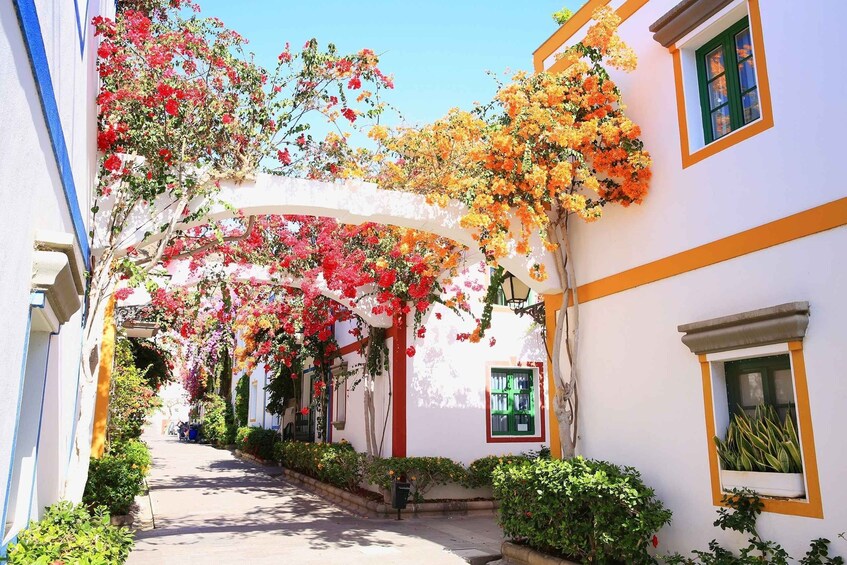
x=760, y=443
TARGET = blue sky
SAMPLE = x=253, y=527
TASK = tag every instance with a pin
x=437, y=50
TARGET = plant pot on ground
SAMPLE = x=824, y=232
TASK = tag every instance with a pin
x=762, y=454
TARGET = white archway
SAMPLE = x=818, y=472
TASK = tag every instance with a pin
x=349, y=202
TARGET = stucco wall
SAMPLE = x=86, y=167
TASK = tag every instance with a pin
x=33, y=198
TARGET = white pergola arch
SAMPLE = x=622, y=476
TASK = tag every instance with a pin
x=349, y=202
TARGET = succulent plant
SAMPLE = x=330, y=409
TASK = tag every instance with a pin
x=760, y=443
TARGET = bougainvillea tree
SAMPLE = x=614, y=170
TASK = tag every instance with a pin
x=551, y=147
x=403, y=272
x=182, y=106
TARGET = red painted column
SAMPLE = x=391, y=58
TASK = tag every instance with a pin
x=398, y=364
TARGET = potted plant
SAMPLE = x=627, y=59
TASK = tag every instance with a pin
x=762, y=454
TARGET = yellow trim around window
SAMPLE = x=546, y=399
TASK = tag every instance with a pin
x=763, y=123
x=812, y=505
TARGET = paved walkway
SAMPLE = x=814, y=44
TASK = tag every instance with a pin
x=210, y=507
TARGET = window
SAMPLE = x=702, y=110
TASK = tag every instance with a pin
x=512, y=402
x=339, y=377
x=762, y=380
x=729, y=94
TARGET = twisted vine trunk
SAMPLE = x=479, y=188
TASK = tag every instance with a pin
x=566, y=399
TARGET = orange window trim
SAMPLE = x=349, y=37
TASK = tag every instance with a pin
x=812, y=505
x=573, y=25
x=765, y=122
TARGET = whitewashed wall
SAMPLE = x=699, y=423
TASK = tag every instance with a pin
x=641, y=393
x=33, y=198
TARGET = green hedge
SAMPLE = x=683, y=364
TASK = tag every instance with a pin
x=479, y=473
x=423, y=472
x=337, y=464
x=69, y=534
x=257, y=442
x=218, y=425
x=242, y=401
x=115, y=479
x=590, y=511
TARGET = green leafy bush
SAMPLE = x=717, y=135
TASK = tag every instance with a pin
x=337, y=464
x=740, y=514
x=242, y=401
x=131, y=399
x=69, y=534
x=479, y=472
x=257, y=442
x=423, y=472
x=218, y=425
x=591, y=511
x=117, y=478
x=761, y=443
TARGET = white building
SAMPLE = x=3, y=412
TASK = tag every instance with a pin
x=750, y=226
x=48, y=85
x=452, y=399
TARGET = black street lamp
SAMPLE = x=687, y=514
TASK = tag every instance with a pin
x=515, y=290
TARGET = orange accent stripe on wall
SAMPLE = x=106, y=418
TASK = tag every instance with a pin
x=104, y=381
x=796, y=226
x=552, y=303
x=573, y=25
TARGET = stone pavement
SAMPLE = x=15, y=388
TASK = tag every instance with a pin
x=210, y=507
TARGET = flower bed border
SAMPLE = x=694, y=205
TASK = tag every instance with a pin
x=374, y=509
x=524, y=555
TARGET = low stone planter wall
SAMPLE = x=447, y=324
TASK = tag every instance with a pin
x=253, y=459
x=523, y=555
x=377, y=509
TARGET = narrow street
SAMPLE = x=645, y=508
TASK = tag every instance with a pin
x=210, y=507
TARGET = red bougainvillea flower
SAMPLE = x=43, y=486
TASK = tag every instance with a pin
x=349, y=114
x=227, y=118
x=655, y=541
x=113, y=163
x=304, y=411
x=410, y=351
x=492, y=342
x=284, y=157
x=172, y=107
x=123, y=293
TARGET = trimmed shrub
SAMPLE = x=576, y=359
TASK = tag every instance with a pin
x=69, y=534
x=590, y=511
x=117, y=478
x=479, y=472
x=214, y=427
x=257, y=442
x=423, y=472
x=337, y=464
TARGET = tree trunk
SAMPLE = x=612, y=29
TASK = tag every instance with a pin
x=566, y=400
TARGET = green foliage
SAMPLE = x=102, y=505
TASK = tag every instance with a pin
x=218, y=420
x=761, y=443
x=423, y=472
x=131, y=399
x=741, y=511
x=136, y=452
x=562, y=16
x=69, y=534
x=114, y=481
x=154, y=361
x=335, y=463
x=592, y=511
x=257, y=442
x=242, y=401
x=479, y=473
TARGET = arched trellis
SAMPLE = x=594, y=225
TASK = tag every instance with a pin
x=349, y=202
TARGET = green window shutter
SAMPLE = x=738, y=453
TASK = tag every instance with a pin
x=726, y=77
x=512, y=402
